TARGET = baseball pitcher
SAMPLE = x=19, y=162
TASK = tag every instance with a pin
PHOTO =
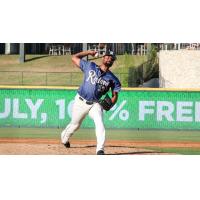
x=98, y=80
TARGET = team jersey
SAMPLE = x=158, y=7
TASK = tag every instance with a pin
x=96, y=82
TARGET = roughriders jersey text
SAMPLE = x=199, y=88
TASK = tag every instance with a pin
x=96, y=82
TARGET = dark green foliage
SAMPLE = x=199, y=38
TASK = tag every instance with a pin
x=151, y=68
x=146, y=71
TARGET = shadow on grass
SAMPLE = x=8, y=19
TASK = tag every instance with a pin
x=135, y=76
x=36, y=58
x=142, y=73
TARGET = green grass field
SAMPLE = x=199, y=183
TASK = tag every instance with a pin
x=57, y=70
x=180, y=150
x=111, y=134
x=46, y=63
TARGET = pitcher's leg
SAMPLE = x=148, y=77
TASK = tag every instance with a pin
x=79, y=111
x=96, y=113
x=68, y=131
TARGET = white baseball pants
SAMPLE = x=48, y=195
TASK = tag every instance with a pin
x=79, y=111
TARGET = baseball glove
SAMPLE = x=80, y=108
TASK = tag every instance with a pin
x=106, y=103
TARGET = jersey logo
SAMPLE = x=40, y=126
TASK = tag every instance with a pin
x=94, y=79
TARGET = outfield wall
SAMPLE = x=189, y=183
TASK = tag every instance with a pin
x=136, y=108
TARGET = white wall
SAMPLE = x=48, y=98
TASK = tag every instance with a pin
x=179, y=69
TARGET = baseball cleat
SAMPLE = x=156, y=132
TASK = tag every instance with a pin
x=67, y=145
x=100, y=152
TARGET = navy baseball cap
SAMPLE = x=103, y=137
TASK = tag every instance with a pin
x=110, y=53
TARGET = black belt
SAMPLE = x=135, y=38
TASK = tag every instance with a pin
x=87, y=102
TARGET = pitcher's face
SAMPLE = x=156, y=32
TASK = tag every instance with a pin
x=108, y=61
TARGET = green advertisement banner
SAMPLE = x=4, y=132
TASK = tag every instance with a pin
x=136, y=109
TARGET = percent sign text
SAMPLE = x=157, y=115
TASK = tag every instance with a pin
x=118, y=110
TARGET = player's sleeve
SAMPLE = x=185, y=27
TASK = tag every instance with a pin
x=84, y=64
x=116, y=86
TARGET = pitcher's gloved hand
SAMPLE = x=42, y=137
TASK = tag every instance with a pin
x=106, y=103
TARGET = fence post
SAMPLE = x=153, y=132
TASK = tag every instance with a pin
x=46, y=78
x=85, y=47
x=22, y=78
x=22, y=53
x=71, y=78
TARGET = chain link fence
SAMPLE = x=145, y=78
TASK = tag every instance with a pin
x=48, y=78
